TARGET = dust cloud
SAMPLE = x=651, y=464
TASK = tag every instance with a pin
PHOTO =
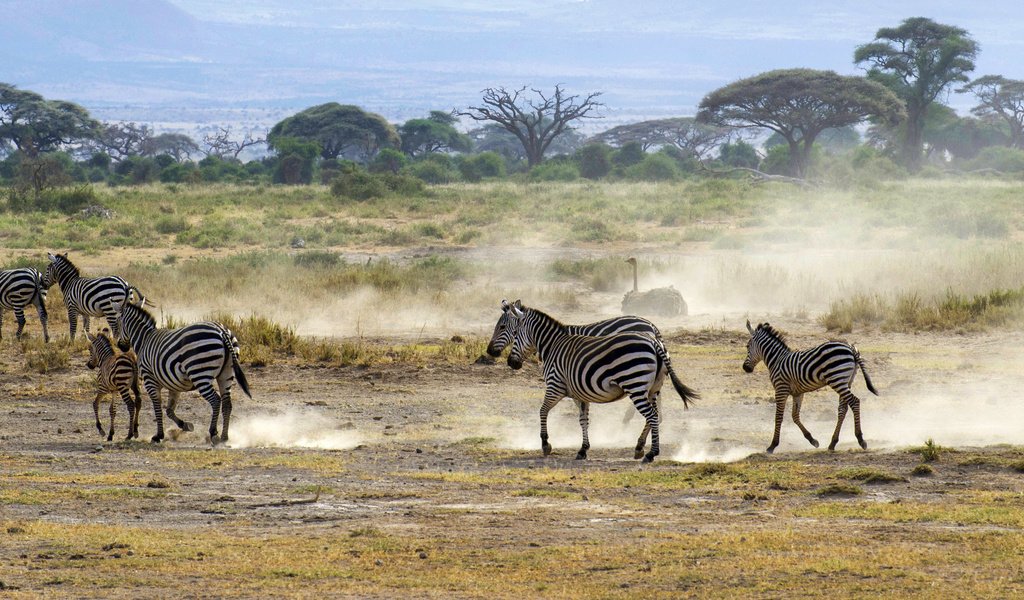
x=293, y=429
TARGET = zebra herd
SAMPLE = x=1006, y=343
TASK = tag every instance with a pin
x=595, y=363
x=626, y=356
x=193, y=357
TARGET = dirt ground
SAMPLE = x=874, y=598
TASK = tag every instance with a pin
x=428, y=481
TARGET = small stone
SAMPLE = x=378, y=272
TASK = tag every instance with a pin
x=423, y=555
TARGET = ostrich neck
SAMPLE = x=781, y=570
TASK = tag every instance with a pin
x=636, y=287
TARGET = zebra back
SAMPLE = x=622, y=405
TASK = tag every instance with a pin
x=87, y=295
x=21, y=287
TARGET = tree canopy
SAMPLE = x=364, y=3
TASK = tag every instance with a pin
x=799, y=104
x=918, y=60
x=1002, y=98
x=35, y=125
x=436, y=133
x=686, y=133
x=534, y=122
x=339, y=130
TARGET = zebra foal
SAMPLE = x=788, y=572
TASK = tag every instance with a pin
x=188, y=358
x=88, y=296
x=594, y=369
x=18, y=289
x=796, y=372
x=116, y=374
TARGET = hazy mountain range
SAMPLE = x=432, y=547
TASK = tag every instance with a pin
x=186, y=64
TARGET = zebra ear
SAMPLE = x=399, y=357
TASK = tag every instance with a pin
x=518, y=304
x=504, y=305
x=51, y=256
x=89, y=337
x=749, y=328
x=517, y=312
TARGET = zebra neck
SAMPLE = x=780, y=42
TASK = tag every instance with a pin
x=545, y=331
x=104, y=352
x=66, y=275
x=774, y=352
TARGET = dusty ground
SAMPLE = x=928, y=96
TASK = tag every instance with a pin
x=427, y=481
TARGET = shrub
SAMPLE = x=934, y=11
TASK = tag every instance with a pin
x=358, y=185
x=388, y=160
x=654, y=167
x=482, y=166
x=168, y=224
x=631, y=153
x=433, y=171
x=554, y=171
x=1000, y=158
x=594, y=160
x=65, y=200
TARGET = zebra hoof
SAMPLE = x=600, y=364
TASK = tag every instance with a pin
x=156, y=439
x=638, y=453
x=581, y=455
x=769, y=450
x=832, y=447
x=186, y=426
x=546, y=448
x=649, y=457
x=813, y=442
x=863, y=444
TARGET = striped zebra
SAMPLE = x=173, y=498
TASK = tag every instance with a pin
x=594, y=369
x=117, y=374
x=623, y=324
x=796, y=372
x=188, y=358
x=88, y=296
x=18, y=289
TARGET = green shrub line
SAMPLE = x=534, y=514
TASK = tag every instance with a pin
x=909, y=311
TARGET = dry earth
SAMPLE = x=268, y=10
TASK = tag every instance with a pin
x=427, y=481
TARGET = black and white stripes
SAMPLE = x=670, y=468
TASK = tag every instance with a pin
x=797, y=372
x=183, y=359
x=116, y=374
x=593, y=369
x=18, y=289
x=87, y=296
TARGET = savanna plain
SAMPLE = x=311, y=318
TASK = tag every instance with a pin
x=382, y=457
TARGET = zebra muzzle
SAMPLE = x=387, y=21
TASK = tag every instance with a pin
x=515, y=363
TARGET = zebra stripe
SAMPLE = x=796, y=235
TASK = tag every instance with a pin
x=183, y=359
x=594, y=369
x=117, y=375
x=88, y=296
x=795, y=373
x=18, y=289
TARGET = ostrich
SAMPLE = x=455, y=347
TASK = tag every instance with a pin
x=664, y=302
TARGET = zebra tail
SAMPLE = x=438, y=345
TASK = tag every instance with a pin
x=141, y=300
x=232, y=344
x=685, y=392
x=864, y=371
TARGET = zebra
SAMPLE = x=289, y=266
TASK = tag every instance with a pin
x=622, y=324
x=117, y=374
x=796, y=372
x=183, y=359
x=88, y=296
x=18, y=289
x=594, y=369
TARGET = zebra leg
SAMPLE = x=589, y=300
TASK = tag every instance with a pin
x=585, y=426
x=638, y=452
x=839, y=424
x=211, y=395
x=113, y=415
x=854, y=403
x=133, y=415
x=797, y=401
x=172, y=403
x=551, y=398
x=73, y=322
x=41, y=309
x=158, y=411
x=138, y=407
x=19, y=316
x=85, y=322
x=96, y=412
x=225, y=404
x=780, y=410
x=1, y=323
x=649, y=410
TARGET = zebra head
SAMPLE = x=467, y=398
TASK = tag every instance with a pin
x=754, y=351
x=100, y=347
x=59, y=268
x=520, y=335
x=132, y=321
x=501, y=336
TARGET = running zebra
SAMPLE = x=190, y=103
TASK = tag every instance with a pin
x=18, y=289
x=796, y=372
x=118, y=375
x=88, y=296
x=624, y=324
x=183, y=359
x=594, y=369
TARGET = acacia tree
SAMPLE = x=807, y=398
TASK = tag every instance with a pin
x=798, y=104
x=35, y=125
x=222, y=144
x=178, y=146
x=121, y=140
x=534, y=122
x=436, y=133
x=338, y=130
x=918, y=61
x=1000, y=98
x=686, y=133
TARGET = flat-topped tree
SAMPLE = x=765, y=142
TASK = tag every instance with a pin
x=534, y=122
x=798, y=104
x=1000, y=98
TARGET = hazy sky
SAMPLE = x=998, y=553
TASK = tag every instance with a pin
x=405, y=57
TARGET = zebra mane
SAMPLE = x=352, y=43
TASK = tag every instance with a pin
x=64, y=263
x=545, y=316
x=774, y=334
x=140, y=313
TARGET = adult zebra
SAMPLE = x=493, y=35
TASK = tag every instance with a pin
x=117, y=374
x=795, y=373
x=501, y=337
x=594, y=369
x=183, y=359
x=88, y=296
x=18, y=289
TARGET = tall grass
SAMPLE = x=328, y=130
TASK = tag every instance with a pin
x=910, y=311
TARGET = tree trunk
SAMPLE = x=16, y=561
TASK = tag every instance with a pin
x=913, y=140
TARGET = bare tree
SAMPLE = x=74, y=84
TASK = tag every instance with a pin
x=121, y=140
x=535, y=122
x=221, y=144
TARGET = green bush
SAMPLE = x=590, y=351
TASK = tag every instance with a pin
x=433, y=170
x=554, y=171
x=64, y=200
x=168, y=224
x=654, y=167
x=358, y=185
x=594, y=160
x=482, y=166
x=1000, y=158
